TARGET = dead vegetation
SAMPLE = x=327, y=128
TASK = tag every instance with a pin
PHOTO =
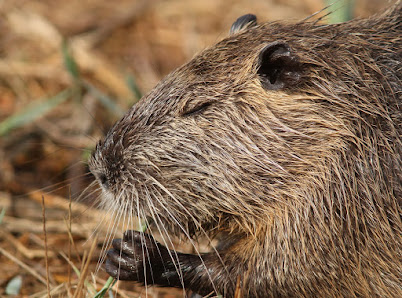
x=68, y=69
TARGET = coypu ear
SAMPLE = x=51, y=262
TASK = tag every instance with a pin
x=278, y=67
x=246, y=21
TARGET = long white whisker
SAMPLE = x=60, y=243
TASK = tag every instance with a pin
x=191, y=216
x=191, y=241
x=116, y=214
x=123, y=213
x=112, y=210
x=155, y=215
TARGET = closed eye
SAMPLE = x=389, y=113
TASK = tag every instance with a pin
x=197, y=109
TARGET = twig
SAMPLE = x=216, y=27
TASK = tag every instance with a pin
x=46, y=256
x=61, y=202
x=14, y=224
x=238, y=292
x=33, y=69
x=129, y=15
x=84, y=271
x=58, y=290
x=26, y=252
x=31, y=24
x=23, y=265
x=69, y=241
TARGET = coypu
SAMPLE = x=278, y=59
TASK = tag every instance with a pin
x=284, y=142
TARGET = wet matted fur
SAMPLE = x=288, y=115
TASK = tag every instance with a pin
x=284, y=141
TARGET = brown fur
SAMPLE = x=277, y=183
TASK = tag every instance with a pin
x=303, y=184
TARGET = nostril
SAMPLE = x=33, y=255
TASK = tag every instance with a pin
x=103, y=180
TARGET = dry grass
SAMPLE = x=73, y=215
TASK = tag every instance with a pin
x=119, y=49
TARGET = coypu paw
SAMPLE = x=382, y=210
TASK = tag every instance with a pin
x=139, y=257
x=136, y=257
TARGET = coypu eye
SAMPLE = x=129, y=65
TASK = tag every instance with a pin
x=277, y=66
x=197, y=109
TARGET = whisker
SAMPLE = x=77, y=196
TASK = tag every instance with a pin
x=116, y=213
x=155, y=215
x=185, y=232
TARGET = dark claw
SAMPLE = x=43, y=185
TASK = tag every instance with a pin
x=138, y=240
x=127, y=247
x=122, y=260
x=119, y=273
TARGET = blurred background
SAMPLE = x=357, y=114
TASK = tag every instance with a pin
x=68, y=70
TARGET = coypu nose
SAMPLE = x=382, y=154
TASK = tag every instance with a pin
x=103, y=181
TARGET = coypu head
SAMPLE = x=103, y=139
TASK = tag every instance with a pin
x=272, y=127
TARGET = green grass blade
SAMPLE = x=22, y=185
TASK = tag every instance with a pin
x=2, y=213
x=69, y=61
x=132, y=85
x=341, y=10
x=144, y=225
x=109, y=284
x=86, y=154
x=106, y=101
x=32, y=112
